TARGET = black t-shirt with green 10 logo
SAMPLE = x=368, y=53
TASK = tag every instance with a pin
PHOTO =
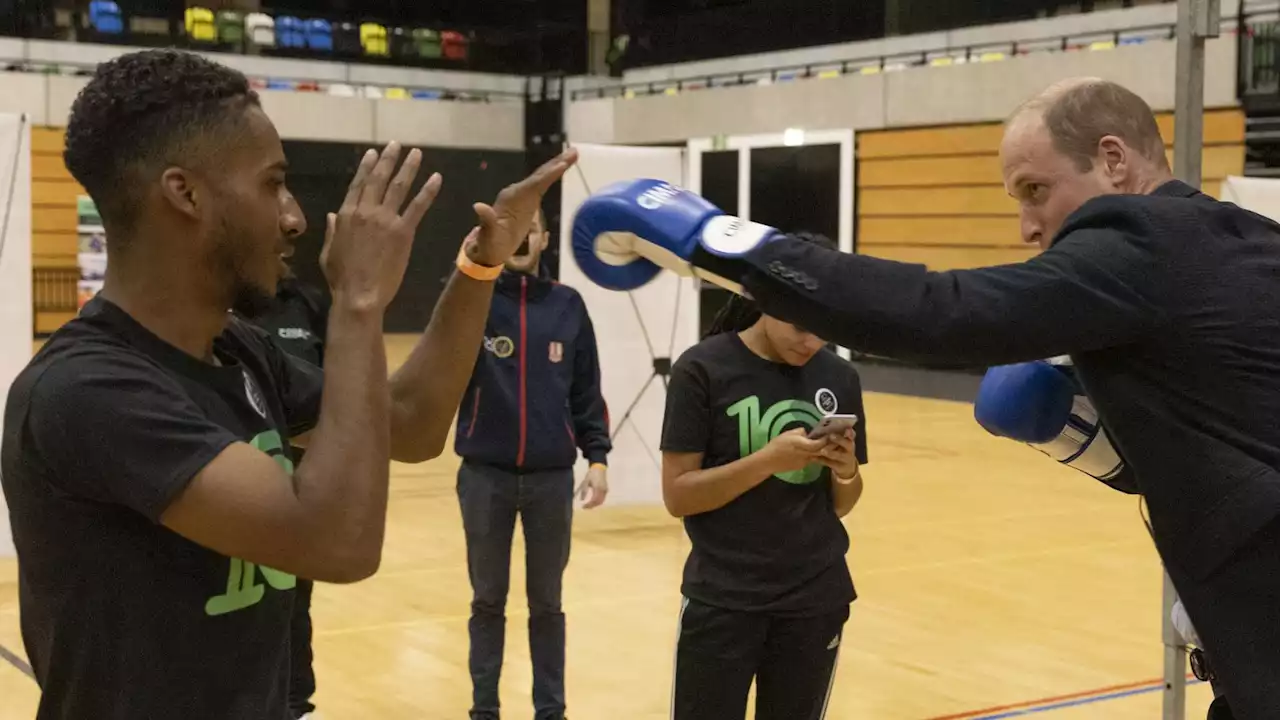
x=121, y=617
x=779, y=547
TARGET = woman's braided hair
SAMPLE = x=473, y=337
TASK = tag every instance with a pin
x=739, y=313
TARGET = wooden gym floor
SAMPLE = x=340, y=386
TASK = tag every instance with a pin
x=992, y=584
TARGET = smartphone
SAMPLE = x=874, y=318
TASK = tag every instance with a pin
x=833, y=425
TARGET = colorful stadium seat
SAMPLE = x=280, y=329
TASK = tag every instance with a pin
x=200, y=26
x=425, y=94
x=396, y=93
x=105, y=17
x=289, y=33
x=373, y=38
x=319, y=35
x=346, y=40
x=341, y=90
x=261, y=29
x=402, y=43
x=455, y=45
x=230, y=28
x=427, y=43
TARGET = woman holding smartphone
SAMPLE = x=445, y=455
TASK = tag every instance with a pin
x=766, y=589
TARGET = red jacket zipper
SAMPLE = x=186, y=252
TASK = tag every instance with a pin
x=524, y=340
x=475, y=413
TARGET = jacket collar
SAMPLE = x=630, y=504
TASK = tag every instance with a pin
x=1176, y=188
x=538, y=286
x=1172, y=188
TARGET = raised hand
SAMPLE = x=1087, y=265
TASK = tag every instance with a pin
x=368, y=241
x=505, y=224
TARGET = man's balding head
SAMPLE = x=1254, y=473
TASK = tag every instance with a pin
x=1080, y=112
x=1079, y=139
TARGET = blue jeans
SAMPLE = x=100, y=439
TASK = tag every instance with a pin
x=490, y=498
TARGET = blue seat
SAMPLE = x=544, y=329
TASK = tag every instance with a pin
x=319, y=35
x=425, y=94
x=105, y=17
x=289, y=33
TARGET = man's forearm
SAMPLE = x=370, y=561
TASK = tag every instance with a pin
x=702, y=491
x=341, y=483
x=427, y=389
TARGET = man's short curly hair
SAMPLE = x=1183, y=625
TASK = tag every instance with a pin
x=145, y=111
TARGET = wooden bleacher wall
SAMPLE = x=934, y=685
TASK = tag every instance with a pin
x=54, y=239
x=936, y=196
x=931, y=195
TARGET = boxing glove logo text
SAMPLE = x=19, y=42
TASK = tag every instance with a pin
x=657, y=196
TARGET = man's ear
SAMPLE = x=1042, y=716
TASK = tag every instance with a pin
x=1115, y=160
x=179, y=190
x=546, y=240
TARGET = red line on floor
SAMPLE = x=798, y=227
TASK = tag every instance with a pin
x=1048, y=700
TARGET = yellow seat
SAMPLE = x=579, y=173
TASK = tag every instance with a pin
x=373, y=38
x=200, y=25
x=396, y=93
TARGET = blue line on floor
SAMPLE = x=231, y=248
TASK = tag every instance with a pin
x=1079, y=701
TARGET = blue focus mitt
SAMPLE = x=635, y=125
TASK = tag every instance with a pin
x=1041, y=404
x=628, y=232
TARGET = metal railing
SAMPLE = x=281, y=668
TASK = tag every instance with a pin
x=55, y=289
x=872, y=64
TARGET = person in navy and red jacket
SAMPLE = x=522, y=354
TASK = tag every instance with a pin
x=533, y=404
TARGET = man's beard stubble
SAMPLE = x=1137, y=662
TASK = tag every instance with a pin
x=247, y=299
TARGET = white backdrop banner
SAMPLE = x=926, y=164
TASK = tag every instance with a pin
x=1260, y=195
x=658, y=320
x=16, y=323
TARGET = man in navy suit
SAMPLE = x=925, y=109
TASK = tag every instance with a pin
x=1167, y=301
x=534, y=402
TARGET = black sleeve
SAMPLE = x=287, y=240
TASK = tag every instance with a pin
x=116, y=429
x=586, y=398
x=860, y=427
x=686, y=424
x=300, y=384
x=1099, y=286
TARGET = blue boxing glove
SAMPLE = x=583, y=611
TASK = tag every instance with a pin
x=1040, y=404
x=628, y=232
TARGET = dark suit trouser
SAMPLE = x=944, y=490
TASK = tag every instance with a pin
x=490, y=499
x=1236, y=613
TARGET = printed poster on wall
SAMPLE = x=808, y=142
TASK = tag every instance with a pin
x=92, y=255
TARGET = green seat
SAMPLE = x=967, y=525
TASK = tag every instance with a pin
x=427, y=43
x=231, y=27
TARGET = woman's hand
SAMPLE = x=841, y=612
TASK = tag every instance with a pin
x=792, y=451
x=839, y=456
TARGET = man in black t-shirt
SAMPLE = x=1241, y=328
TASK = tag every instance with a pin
x=160, y=520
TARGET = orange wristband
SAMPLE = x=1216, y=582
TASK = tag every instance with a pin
x=473, y=270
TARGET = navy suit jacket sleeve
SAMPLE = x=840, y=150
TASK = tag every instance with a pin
x=586, y=398
x=1097, y=287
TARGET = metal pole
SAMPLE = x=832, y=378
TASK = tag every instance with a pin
x=1198, y=20
x=1175, y=661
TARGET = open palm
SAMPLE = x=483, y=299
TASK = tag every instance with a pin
x=505, y=224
